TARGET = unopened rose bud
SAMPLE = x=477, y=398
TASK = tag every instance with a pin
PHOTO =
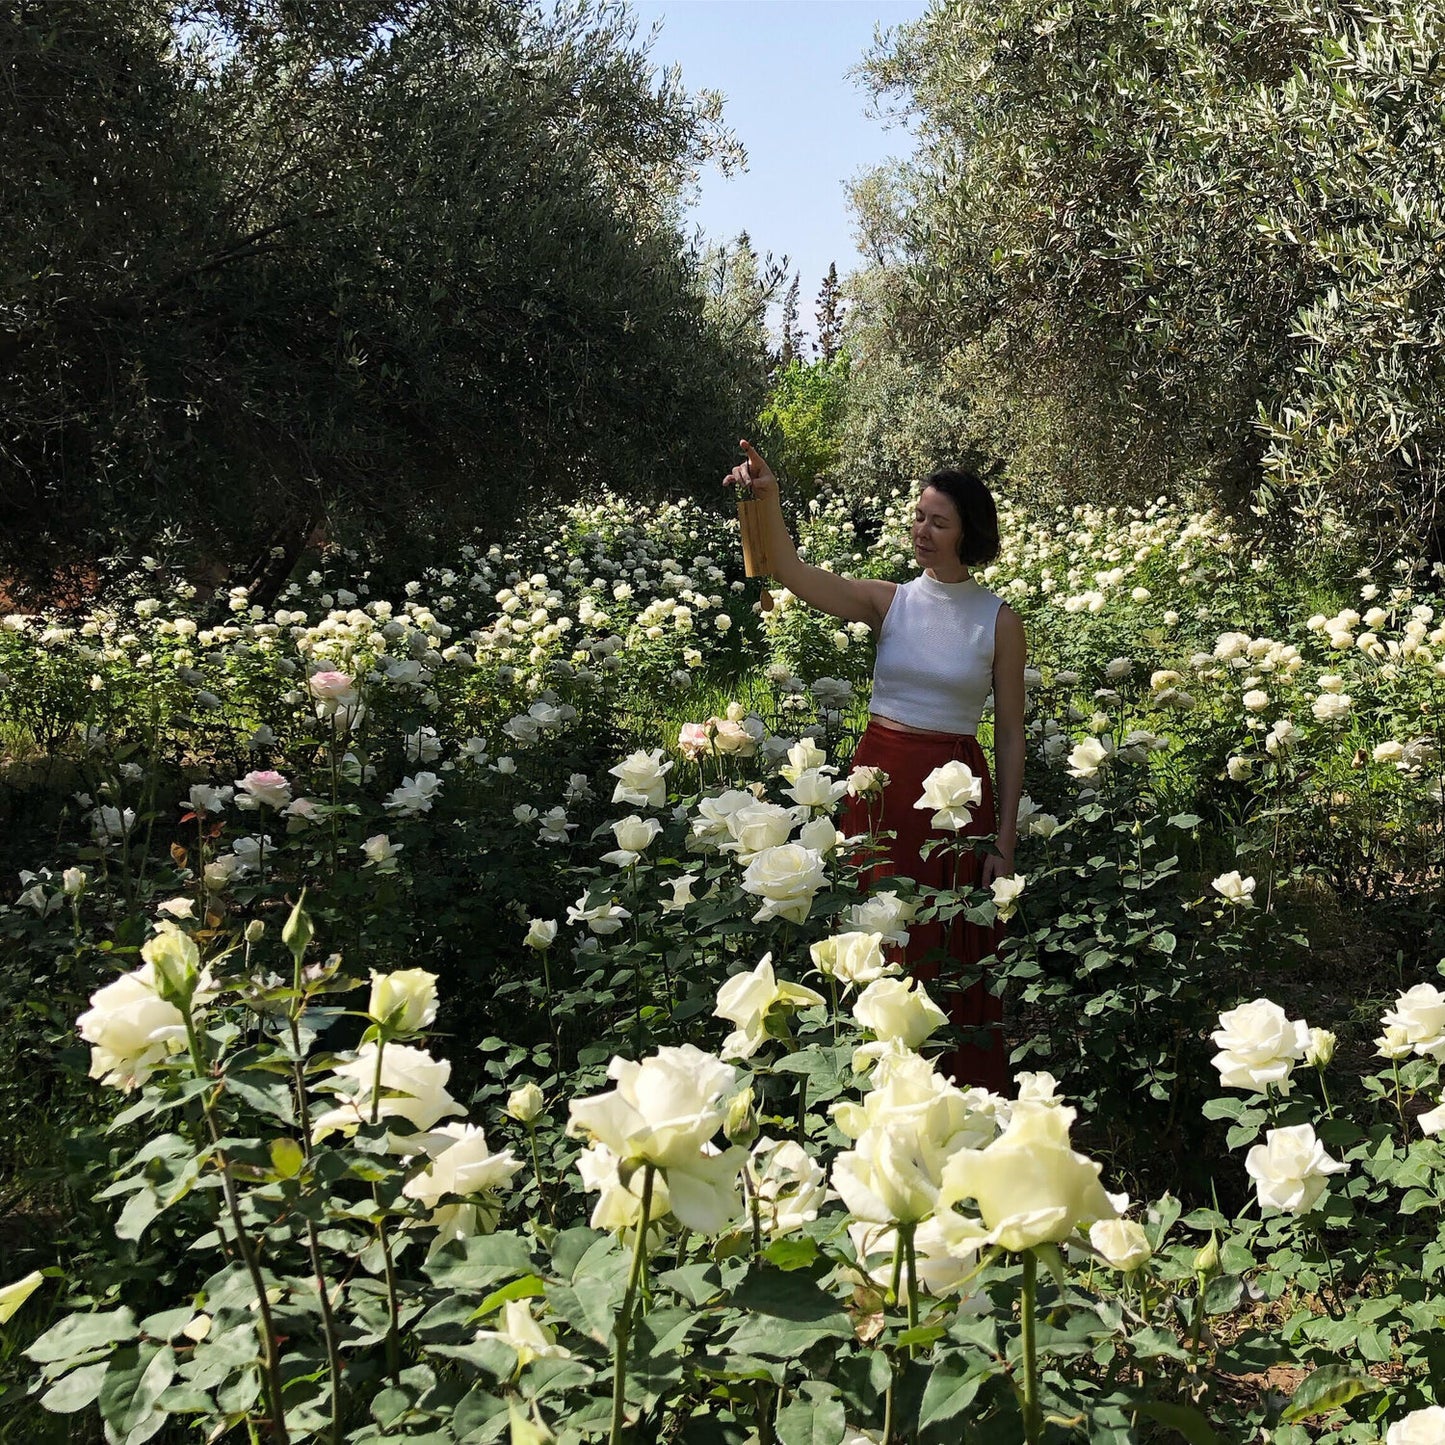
x=1320, y=1049
x=403, y=1001
x=255, y=930
x=73, y=880
x=1206, y=1259
x=740, y=1123
x=175, y=966
x=525, y=1104
x=541, y=933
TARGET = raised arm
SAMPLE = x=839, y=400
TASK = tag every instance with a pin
x=854, y=599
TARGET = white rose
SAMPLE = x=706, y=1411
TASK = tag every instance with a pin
x=634, y=837
x=665, y=1112
x=1290, y=1169
x=462, y=1163
x=1122, y=1243
x=898, y=1009
x=130, y=1029
x=757, y=827
x=525, y=1103
x=748, y=998
x=786, y=878
x=883, y=912
x=1332, y=706
x=1258, y=1046
x=1006, y=894
x=1030, y=1185
x=952, y=792
x=803, y=756
x=1419, y=1016
x=1239, y=769
x=1256, y=700
x=13, y=1295
x=641, y=779
x=602, y=919
x=520, y=1330
x=404, y=1000
x=1088, y=757
x=710, y=824
x=1433, y=1121
x=1235, y=889
x=1390, y=752
x=380, y=850
x=814, y=788
x=681, y=893
x=1320, y=1049
x=864, y=781
x=788, y=1185
x=413, y=1086
x=820, y=835
x=852, y=958
x=1419, y=1427
x=541, y=933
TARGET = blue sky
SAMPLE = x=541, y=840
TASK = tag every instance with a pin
x=782, y=66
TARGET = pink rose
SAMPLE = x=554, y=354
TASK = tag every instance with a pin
x=694, y=741
x=265, y=787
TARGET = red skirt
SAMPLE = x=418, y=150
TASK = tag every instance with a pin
x=908, y=758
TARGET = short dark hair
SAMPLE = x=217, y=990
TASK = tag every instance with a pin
x=974, y=503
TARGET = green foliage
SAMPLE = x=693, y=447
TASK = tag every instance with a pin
x=380, y=268
x=1169, y=246
x=804, y=411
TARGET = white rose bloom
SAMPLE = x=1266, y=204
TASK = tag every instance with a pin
x=1038, y=1087
x=520, y=1329
x=605, y=918
x=1419, y=1016
x=1284, y=734
x=756, y=827
x=1031, y=1186
x=641, y=779
x=540, y=933
x=1006, y=894
x=13, y=1295
x=1432, y=1122
x=404, y=1000
x=804, y=756
x=1256, y=700
x=1290, y=1169
x=413, y=1087
x=1332, y=706
x=898, y=1009
x=463, y=1164
x=618, y=1205
x=634, y=836
x=1320, y=1049
x=788, y=1185
x=952, y=792
x=855, y=958
x=746, y=999
x=131, y=1029
x=814, y=788
x=1043, y=825
x=415, y=795
x=1394, y=1044
x=1258, y=1046
x=710, y=824
x=786, y=878
x=1240, y=769
x=1419, y=1427
x=681, y=893
x=1235, y=889
x=821, y=835
x=1122, y=1243
x=883, y=912
x=1390, y=752
x=204, y=798
x=524, y=1104
x=665, y=1112
x=864, y=781
x=1088, y=757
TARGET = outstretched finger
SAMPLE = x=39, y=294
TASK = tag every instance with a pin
x=754, y=460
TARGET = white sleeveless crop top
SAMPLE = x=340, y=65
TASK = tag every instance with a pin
x=934, y=664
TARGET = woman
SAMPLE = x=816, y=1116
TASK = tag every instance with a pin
x=944, y=642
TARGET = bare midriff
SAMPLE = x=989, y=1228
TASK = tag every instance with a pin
x=900, y=727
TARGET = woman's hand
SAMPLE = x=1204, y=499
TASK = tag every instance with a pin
x=999, y=864
x=754, y=474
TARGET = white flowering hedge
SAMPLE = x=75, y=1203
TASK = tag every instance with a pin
x=701, y=1181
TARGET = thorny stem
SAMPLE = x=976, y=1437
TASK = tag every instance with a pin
x=1032, y=1421
x=270, y=1351
x=622, y=1329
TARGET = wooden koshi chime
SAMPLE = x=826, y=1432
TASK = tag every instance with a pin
x=756, y=561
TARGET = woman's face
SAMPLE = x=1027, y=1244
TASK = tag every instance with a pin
x=937, y=529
